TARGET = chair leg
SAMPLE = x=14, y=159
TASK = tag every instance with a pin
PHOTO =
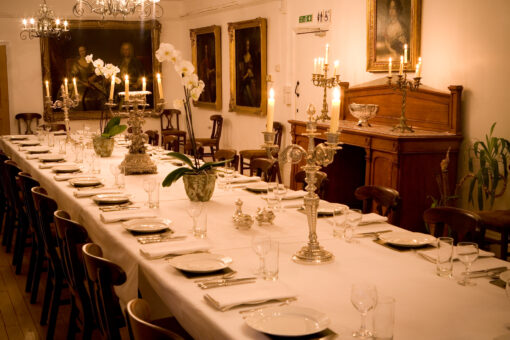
x=72, y=324
x=37, y=275
x=55, y=304
x=19, y=248
x=7, y=226
x=31, y=267
x=48, y=292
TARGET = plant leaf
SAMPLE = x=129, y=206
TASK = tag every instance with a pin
x=209, y=165
x=116, y=129
x=183, y=158
x=174, y=176
x=111, y=123
x=480, y=198
x=471, y=190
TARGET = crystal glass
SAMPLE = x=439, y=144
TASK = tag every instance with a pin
x=272, y=261
x=339, y=217
x=364, y=299
x=444, y=261
x=279, y=192
x=195, y=210
x=352, y=220
x=229, y=175
x=115, y=171
x=467, y=252
x=272, y=201
x=261, y=244
x=151, y=186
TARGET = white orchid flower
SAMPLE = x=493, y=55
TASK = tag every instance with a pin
x=195, y=93
x=98, y=63
x=190, y=81
x=165, y=52
x=184, y=68
x=178, y=104
x=89, y=58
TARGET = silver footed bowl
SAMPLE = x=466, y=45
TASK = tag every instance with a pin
x=363, y=112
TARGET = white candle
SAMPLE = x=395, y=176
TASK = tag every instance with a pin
x=75, y=87
x=112, y=87
x=270, y=111
x=32, y=22
x=66, y=89
x=389, y=66
x=315, y=66
x=144, y=84
x=401, y=70
x=327, y=52
x=47, y=88
x=126, y=87
x=65, y=25
x=336, y=68
x=418, y=68
x=335, y=110
x=405, y=53
x=57, y=22
x=160, y=87
x=25, y=23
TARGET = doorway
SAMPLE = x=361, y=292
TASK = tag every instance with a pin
x=5, y=128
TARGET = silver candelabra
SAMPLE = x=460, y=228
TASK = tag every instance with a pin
x=316, y=157
x=65, y=104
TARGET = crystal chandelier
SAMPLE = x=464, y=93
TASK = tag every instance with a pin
x=44, y=25
x=142, y=8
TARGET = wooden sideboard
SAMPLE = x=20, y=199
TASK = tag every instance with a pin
x=407, y=162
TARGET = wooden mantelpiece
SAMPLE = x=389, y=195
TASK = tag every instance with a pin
x=407, y=162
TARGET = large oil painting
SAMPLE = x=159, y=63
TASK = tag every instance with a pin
x=248, y=66
x=391, y=25
x=128, y=45
x=206, y=55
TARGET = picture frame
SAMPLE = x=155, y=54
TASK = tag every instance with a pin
x=248, y=69
x=206, y=57
x=390, y=25
x=131, y=46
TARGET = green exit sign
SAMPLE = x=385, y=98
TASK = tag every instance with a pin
x=305, y=18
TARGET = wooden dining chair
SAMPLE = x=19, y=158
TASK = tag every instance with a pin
x=226, y=154
x=144, y=328
x=188, y=150
x=213, y=143
x=382, y=200
x=71, y=237
x=153, y=136
x=37, y=253
x=27, y=118
x=321, y=182
x=499, y=222
x=18, y=220
x=169, y=121
x=54, y=126
x=246, y=156
x=24, y=230
x=462, y=225
x=266, y=168
x=170, y=142
x=102, y=276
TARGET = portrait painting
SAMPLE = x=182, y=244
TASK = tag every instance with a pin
x=206, y=56
x=392, y=24
x=128, y=45
x=248, y=66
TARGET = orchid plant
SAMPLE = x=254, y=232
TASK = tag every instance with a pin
x=193, y=87
x=107, y=71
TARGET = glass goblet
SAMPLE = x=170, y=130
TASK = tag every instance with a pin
x=261, y=245
x=279, y=192
x=352, y=220
x=364, y=299
x=194, y=209
x=115, y=171
x=149, y=185
x=467, y=252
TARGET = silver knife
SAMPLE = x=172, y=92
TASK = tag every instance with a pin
x=161, y=239
x=372, y=233
x=225, y=283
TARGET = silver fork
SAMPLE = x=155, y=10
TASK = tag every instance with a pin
x=254, y=310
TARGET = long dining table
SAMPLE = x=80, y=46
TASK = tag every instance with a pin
x=427, y=306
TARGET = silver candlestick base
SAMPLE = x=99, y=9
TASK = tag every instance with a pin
x=65, y=104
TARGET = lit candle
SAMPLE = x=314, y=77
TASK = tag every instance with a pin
x=66, y=89
x=336, y=67
x=315, y=66
x=270, y=111
x=160, y=87
x=321, y=65
x=418, y=68
x=126, y=87
x=389, y=66
x=65, y=25
x=47, y=88
x=32, y=22
x=75, y=87
x=335, y=110
x=401, y=70
x=25, y=23
x=144, y=84
x=57, y=22
x=327, y=52
x=405, y=53
x=112, y=87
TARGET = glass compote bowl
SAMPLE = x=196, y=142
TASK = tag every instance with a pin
x=364, y=299
x=363, y=112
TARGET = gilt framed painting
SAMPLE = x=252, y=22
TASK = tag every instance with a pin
x=248, y=66
x=206, y=57
x=391, y=25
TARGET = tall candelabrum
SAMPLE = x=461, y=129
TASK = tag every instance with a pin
x=136, y=160
x=65, y=104
x=322, y=80
x=316, y=156
x=403, y=85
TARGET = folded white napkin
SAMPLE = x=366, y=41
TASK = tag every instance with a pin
x=50, y=165
x=244, y=179
x=294, y=194
x=260, y=291
x=65, y=177
x=431, y=254
x=93, y=192
x=125, y=215
x=372, y=218
x=30, y=156
x=186, y=246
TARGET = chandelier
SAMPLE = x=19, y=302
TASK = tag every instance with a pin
x=44, y=25
x=142, y=8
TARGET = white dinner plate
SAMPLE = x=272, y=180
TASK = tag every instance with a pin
x=80, y=182
x=110, y=199
x=38, y=149
x=51, y=158
x=327, y=208
x=147, y=225
x=257, y=187
x=65, y=168
x=200, y=262
x=18, y=137
x=288, y=321
x=505, y=276
x=29, y=143
x=407, y=238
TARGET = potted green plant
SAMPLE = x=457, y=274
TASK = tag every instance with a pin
x=104, y=143
x=199, y=180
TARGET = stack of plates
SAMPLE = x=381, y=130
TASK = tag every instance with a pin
x=110, y=199
x=200, y=262
x=147, y=225
x=407, y=239
x=65, y=168
x=80, y=182
x=29, y=143
x=18, y=137
x=51, y=158
x=258, y=187
x=38, y=149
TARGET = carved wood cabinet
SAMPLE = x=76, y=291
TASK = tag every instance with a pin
x=407, y=162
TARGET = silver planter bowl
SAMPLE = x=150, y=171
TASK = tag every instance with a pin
x=363, y=112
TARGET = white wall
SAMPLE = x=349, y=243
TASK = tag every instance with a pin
x=464, y=42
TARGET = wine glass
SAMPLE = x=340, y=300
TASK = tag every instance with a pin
x=364, y=299
x=353, y=218
x=279, y=192
x=261, y=245
x=467, y=252
x=339, y=217
x=229, y=174
x=115, y=171
x=194, y=210
x=272, y=201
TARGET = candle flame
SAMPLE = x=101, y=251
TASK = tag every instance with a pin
x=419, y=60
x=57, y=22
x=158, y=76
x=25, y=22
x=271, y=93
x=32, y=21
x=126, y=77
x=401, y=58
x=336, y=93
x=390, y=60
x=336, y=63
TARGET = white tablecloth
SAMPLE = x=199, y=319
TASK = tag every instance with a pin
x=427, y=306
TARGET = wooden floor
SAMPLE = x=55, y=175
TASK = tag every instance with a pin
x=18, y=318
